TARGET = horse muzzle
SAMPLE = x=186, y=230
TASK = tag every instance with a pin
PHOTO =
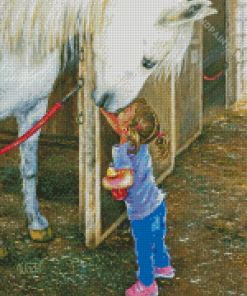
x=105, y=99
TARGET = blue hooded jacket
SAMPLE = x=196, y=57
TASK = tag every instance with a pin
x=143, y=196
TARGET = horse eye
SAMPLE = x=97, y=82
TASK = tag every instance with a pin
x=148, y=64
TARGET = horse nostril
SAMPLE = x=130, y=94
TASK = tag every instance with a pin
x=103, y=99
x=94, y=94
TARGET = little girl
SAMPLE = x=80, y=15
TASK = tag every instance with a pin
x=131, y=178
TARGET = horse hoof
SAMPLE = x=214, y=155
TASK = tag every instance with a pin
x=3, y=251
x=41, y=236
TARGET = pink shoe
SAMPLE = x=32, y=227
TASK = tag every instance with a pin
x=138, y=289
x=166, y=272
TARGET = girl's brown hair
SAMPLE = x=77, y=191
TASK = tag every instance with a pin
x=144, y=127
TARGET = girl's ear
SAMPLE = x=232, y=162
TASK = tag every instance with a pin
x=188, y=11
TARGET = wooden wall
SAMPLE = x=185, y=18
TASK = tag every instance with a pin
x=216, y=20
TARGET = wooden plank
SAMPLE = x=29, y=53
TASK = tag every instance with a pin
x=113, y=227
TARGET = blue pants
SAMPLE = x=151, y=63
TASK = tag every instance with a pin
x=150, y=249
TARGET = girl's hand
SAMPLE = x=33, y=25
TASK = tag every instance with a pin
x=119, y=194
x=118, y=179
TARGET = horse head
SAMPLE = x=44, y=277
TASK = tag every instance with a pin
x=141, y=38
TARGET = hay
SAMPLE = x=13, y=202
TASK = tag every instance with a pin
x=239, y=108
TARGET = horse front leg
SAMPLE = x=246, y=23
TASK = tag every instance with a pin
x=37, y=224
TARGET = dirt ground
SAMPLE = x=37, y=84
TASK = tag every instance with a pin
x=206, y=223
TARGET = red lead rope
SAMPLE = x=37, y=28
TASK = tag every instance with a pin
x=42, y=121
x=212, y=78
x=33, y=130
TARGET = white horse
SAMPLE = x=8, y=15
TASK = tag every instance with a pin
x=131, y=40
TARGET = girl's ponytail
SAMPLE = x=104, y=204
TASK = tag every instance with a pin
x=134, y=138
x=162, y=142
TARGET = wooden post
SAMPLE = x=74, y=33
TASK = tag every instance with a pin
x=98, y=177
x=81, y=137
x=92, y=183
x=89, y=136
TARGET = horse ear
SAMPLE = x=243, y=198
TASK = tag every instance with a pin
x=188, y=11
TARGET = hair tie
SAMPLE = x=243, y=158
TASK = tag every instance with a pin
x=138, y=127
x=160, y=134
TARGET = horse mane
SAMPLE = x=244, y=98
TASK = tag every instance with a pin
x=38, y=27
x=174, y=61
x=33, y=29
